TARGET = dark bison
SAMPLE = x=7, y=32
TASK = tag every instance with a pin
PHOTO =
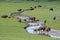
x=31, y=8
x=26, y=26
x=35, y=7
x=54, y=18
x=39, y=6
x=19, y=9
x=19, y=20
x=4, y=16
x=51, y=9
x=45, y=21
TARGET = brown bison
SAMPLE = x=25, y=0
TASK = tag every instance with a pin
x=34, y=6
x=54, y=18
x=45, y=22
x=31, y=8
x=39, y=6
x=19, y=9
x=4, y=16
x=19, y=20
x=51, y=9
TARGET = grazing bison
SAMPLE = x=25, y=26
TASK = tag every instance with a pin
x=54, y=18
x=39, y=6
x=45, y=21
x=34, y=6
x=4, y=16
x=51, y=9
x=31, y=8
x=19, y=9
x=26, y=27
x=19, y=20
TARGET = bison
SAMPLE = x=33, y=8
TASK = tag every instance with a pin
x=39, y=6
x=54, y=18
x=19, y=9
x=34, y=6
x=45, y=21
x=4, y=16
x=51, y=9
x=19, y=20
x=31, y=8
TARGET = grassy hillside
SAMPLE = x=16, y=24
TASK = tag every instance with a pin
x=11, y=29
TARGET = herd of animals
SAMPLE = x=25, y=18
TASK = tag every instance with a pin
x=21, y=11
x=30, y=21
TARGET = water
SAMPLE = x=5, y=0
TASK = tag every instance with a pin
x=53, y=33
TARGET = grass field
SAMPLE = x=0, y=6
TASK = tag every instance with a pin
x=11, y=29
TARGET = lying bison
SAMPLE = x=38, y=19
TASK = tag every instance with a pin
x=4, y=16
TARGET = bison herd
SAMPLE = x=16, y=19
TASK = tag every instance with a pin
x=29, y=20
x=31, y=8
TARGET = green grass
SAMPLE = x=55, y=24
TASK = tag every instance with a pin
x=11, y=29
